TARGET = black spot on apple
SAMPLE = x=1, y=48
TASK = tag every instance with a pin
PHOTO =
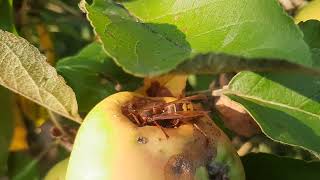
x=179, y=167
x=142, y=140
x=218, y=171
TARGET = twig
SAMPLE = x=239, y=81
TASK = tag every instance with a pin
x=66, y=7
x=218, y=92
x=208, y=91
x=46, y=44
x=66, y=145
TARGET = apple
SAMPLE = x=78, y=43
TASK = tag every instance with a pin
x=110, y=146
x=58, y=172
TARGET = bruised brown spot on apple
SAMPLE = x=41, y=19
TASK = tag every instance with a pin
x=218, y=171
x=196, y=153
x=179, y=167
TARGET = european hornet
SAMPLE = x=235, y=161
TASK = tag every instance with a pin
x=156, y=112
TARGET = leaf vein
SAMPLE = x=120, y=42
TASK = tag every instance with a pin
x=274, y=103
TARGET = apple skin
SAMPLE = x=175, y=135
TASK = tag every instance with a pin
x=58, y=172
x=109, y=146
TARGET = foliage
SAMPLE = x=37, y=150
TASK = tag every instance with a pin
x=279, y=167
x=92, y=71
x=23, y=166
x=311, y=30
x=6, y=127
x=292, y=108
x=25, y=71
x=108, y=46
x=168, y=32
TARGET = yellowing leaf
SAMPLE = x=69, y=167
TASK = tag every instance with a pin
x=310, y=11
x=166, y=85
x=45, y=43
x=19, y=139
x=25, y=71
x=33, y=112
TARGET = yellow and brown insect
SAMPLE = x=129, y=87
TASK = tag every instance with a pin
x=156, y=112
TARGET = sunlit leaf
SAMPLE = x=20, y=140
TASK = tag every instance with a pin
x=149, y=38
x=25, y=71
x=286, y=106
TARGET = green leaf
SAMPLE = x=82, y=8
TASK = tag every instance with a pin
x=311, y=30
x=153, y=37
x=285, y=105
x=25, y=71
x=140, y=48
x=6, y=105
x=267, y=166
x=93, y=76
x=213, y=63
x=22, y=167
x=201, y=82
x=6, y=127
x=6, y=16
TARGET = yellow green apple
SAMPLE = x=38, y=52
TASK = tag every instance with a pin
x=58, y=172
x=109, y=146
